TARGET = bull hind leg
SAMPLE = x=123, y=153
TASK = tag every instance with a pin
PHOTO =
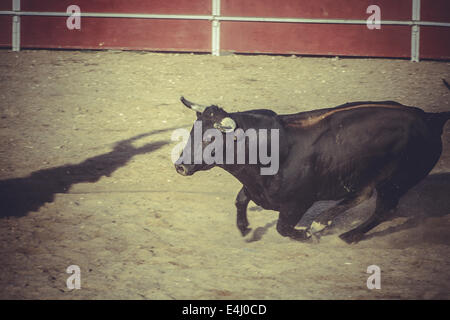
x=325, y=219
x=389, y=192
x=385, y=207
x=414, y=167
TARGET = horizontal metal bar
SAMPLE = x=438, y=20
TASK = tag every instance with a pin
x=222, y=18
x=433, y=24
x=332, y=21
x=292, y=20
x=109, y=15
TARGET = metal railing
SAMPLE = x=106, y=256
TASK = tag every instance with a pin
x=216, y=18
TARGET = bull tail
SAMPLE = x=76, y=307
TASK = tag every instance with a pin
x=438, y=120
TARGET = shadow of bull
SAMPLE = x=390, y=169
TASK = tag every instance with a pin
x=19, y=196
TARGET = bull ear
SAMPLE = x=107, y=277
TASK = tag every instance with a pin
x=196, y=107
x=226, y=125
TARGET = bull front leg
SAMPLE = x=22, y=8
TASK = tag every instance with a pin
x=242, y=201
x=289, y=216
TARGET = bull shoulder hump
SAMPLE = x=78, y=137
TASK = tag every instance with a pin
x=312, y=120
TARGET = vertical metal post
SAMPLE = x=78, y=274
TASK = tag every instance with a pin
x=415, y=32
x=215, y=41
x=16, y=26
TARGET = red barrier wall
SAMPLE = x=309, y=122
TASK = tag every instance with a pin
x=290, y=38
x=246, y=37
x=435, y=10
x=122, y=6
x=5, y=31
x=117, y=33
x=326, y=9
x=435, y=41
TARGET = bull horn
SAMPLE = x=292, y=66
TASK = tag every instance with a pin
x=226, y=125
x=193, y=106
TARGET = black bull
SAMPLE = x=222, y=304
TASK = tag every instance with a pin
x=340, y=153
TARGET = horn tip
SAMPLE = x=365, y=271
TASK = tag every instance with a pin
x=185, y=102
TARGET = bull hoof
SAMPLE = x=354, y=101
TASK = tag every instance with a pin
x=245, y=231
x=317, y=227
x=300, y=234
x=350, y=237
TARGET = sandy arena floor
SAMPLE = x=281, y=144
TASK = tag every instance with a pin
x=86, y=179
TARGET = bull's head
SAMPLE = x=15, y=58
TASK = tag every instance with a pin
x=211, y=127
